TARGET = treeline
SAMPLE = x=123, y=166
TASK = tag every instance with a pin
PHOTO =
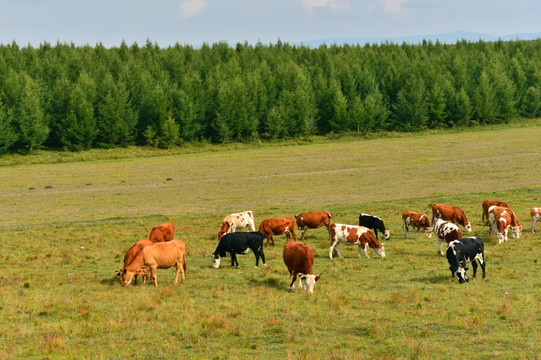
x=76, y=98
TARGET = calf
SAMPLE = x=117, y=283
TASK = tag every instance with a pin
x=161, y=233
x=313, y=220
x=446, y=231
x=488, y=203
x=354, y=235
x=450, y=213
x=418, y=220
x=299, y=259
x=278, y=226
x=160, y=255
x=238, y=220
x=131, y=254
x=463, y=251
x=535, y=214
x=500, y=219
x=374, y=223
x=239, y=243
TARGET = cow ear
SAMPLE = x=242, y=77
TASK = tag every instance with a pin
x=301, y=275
x=318, y=277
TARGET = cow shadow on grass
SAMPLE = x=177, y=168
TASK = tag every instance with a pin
x=270, y=281
x=433, y=279
x=110, y=280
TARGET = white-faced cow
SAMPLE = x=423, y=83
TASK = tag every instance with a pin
x=375, y=223
x=161, y=255
x=163, y=232
x=131, y=254
x=500, y=219
x=535, y=214
x=488, y=203
x=299, y=260
x=236, y=221
x=415, y=220
x=450, y=213
x=354, y=235
x=278, y=226
x=463, y=251
x=313, y=220
x=239, y=243
x=446, y=232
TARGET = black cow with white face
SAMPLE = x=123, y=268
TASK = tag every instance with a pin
x=374, y=223
x=463, y=251
x=239, y=243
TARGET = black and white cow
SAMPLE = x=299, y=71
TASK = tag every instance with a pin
x=239, y=243
x=463, y=251
x=374, y=223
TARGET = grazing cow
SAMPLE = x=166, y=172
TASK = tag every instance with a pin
x=239, y=243
x=161, y=233
x=160, y=255
x=374, y=223
x=238, y=220
x=278, y=226
x=299, y=259
x=463, y=251
x=354, y=235
x=131, y=254
x=535, y=213
x=418, y=220
x=500, y=219
x=446, y=231
x=450, y=213
x=313, y=220
x=488, y=203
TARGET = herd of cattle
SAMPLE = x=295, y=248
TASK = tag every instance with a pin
x=161, y=251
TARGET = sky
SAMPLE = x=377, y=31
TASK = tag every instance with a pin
x=194, y=22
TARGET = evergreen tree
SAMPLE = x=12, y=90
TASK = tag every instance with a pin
x=484, y=100
x=410, y=112
x=7, y=135
x=79, y=128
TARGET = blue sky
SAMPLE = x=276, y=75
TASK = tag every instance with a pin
x=167, y=22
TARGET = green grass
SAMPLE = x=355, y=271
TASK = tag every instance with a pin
x=60, y=247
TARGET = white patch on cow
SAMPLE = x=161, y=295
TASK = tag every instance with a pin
x=216, y=261
x=452, y=246
x=468, y=227
x=247, y=251
x=479, y=257
x=387, y=234
x=516, y=231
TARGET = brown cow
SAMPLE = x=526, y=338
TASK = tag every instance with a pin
x=488, y=203
x=278, y=226
x=240, y=220
x=446, y=231
x=535, y=214
x=163, y=232
x=500, y=219
x=132, y=253
x=354, y=235
x=313, y=220
x=299, y=259
x=450, y=213
x=418, y=220
x=160, y=255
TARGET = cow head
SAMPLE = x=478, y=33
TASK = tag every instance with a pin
x=501, y=237
x=460, y=273
x=387, y=234
x=516, y=231
x=126, y=277
x=380, y=250
x=216, y=260
x=428, y=231
x=468, y=227
x=309, y=281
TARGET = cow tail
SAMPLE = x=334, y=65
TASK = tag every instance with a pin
x=184, y=263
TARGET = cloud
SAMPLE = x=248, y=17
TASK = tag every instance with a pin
x=190, y=8
x=394, y=7
x=329, y=4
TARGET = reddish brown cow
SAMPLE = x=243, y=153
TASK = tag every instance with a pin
x=278, y=226
x=313, y=220
x=535, y=214
x=415, y=220
x=132, y=253
x=354, y=235
x=488, y=203
x=450, y=213
x=446, y=232
x=299, y=259
x=160, y=255
x=163, y=232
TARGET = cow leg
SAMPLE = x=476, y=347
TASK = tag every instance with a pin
x=483, y=265
x=154, y=274
x=440, y=244
x=293, y=278
x=534, y=221
x=303, y=230
x=293, y=233
x=268, y=240
x=365, y=250
x=334, y=245
x=272, y=240
x=474, y=266
x=234, y=260
x=262, y=255
x=287, y=236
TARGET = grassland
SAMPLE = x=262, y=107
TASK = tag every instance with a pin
x=66, y=225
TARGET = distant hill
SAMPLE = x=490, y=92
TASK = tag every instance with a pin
x=447, y=38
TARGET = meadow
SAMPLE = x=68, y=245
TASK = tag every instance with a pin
x=65, y=226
